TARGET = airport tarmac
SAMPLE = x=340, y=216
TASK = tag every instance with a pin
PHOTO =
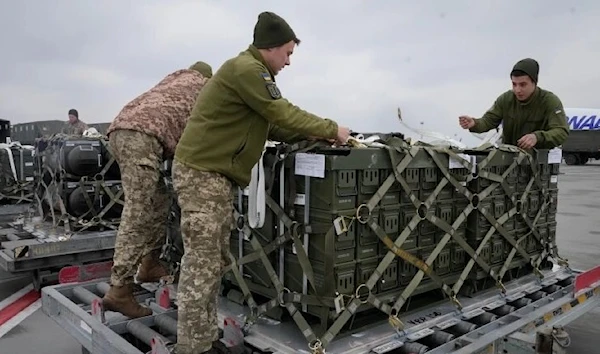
x=578, y=234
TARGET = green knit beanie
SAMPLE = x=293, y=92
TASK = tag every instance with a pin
x=203, y=69
x=528, y=66
x=272, y=31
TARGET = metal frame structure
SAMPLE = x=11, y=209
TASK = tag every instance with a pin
x=41, y=251
x=488, y=323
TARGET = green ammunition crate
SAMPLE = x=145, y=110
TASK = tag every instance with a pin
x=342, y=249
x=352, y=176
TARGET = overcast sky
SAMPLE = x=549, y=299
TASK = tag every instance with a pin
x=359, y=60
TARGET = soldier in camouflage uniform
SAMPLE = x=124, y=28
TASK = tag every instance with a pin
x=234, y=115
x=531, y=116
x=74, y=126
x=143, y=134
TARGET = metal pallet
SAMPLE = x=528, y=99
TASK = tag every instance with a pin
x=489, y=323
x=39, y=249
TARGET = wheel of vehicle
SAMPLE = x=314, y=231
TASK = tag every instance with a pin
x=571, y=159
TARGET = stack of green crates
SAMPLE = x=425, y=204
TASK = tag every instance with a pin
x=351, y=178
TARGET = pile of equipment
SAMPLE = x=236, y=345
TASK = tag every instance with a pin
x=16, y=173
x=78, y=182
x=336, y=234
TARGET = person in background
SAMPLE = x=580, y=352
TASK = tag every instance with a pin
x=531, y=116
x=141, y=137
x=74, y=126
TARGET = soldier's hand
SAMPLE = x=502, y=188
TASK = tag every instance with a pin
x=343, y=135
x=527, y=141
x=466, y=122
x=315, y=138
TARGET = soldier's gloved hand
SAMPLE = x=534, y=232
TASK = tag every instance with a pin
x=527, y=141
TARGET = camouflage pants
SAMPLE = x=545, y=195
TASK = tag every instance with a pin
x=206, y=205
x=144, y=217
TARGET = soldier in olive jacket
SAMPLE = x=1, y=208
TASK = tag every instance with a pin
x=235, y=113
x=531, y=116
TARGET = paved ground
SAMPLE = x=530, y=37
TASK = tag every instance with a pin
x=578, y=233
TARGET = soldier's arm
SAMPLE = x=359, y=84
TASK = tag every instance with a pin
x=284, y=135
x=491, y=119
x=557, y=130
x=257, y=89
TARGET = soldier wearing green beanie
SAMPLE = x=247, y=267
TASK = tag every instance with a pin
x=202, y=68
x=235, y=113
x=531, y=117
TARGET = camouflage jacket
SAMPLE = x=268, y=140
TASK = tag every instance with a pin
x=162, y=111
x=542, y=114
x=236, y=112
x=74, y=129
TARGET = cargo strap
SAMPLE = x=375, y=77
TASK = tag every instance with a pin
x=398, y=148
x=285, y=298
x=92, y=217
x=18, y=190
x=401, y=155
x=292, y=231
x=425, y=268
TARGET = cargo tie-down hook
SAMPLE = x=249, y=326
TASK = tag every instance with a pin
x=316, y=347
x=455, y=301
x=501, y=286
x=395, y=321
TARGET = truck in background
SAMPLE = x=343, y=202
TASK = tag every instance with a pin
x=583, y=142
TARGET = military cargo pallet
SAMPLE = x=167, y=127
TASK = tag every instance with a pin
x=39, y=249
x=78, y=183
x=490, y=322
x=456, y=221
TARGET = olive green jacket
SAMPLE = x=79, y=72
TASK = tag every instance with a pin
x=542, y=114
x=236, y=112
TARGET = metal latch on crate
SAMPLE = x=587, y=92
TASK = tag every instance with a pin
x=340, y=225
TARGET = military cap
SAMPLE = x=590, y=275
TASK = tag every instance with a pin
x=272, y=31
x=202, y=68
x=528, y=66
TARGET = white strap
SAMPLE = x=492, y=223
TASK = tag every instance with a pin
x=257, y=204
x=256, y=196
x=11, y=159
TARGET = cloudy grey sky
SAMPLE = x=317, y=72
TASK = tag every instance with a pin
x=358, y=62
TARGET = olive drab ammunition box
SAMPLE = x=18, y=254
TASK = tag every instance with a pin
x=77, y=182
x=361, y=231
x=16, y=173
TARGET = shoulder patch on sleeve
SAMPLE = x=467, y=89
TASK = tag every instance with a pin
x=273, y=90
x=558, y=111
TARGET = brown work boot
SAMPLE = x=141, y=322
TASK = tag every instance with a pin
x=151, y=270
x=220, y=347
x=120, y=299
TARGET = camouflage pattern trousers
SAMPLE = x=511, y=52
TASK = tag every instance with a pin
x=205, y=199
x=144, y=217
